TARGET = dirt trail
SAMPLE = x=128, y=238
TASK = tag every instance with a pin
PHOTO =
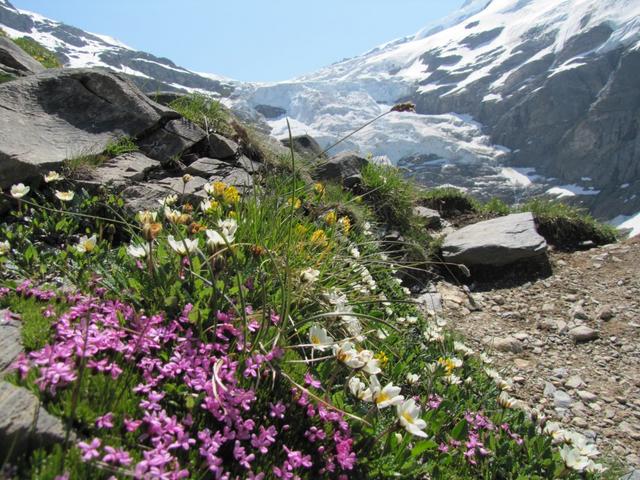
x=543, y=335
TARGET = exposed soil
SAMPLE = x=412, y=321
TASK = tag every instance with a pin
x=591, y=385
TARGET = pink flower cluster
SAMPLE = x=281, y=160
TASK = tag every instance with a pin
x=233, y=432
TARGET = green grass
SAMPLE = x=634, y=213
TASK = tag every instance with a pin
x=449, y=201
x=390, y=195
x=120, y=146
x=203, y=111
x=46, y=57
x=567, y=227
x=5, y=77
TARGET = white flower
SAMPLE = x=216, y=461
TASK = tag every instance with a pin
x=354, y=252
x=319, y=338
x=19, y=190
x=409, y=416
x=5, y=247
x=593, y=467
x=335, y=297
x=205, y=205
x=138, y=251
x=358, y=389
x=182, y=247
x=452, y=379
x=87, y=244
x=579, y=442
x=168, y=200
x=228, y=228
x=462, y=348
x=346, y=353
x=309, y=275
x=172, y=215
x=433, y=334
x=214, y=240
x=371, y=364
x=64, y=196
x=484, y=358
x=413, y=378
x=505, y=401
x=387, y=396
x=186, y=178
x=381, y=334
x=53, y=177
x=573, y=459
x=146, y=216
x=412, y=320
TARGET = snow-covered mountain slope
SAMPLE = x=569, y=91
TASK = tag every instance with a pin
x=514, y=97
x=546, y=86
x=77, y=48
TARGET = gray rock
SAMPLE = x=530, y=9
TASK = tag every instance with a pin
x=219, y=170
x=10, y=342
x=574, y=382
x=24, y=423
x=431, y=302
x=171, y=140
x=507, y=344
x=17, y=60
x=605, y=313
x=121, y=170
x=63, y=113
x=305, y=145
x=221, y=147
x=549, y=389
x=561, y=399
x=583, y=333
x=341, y=166
x=587, y=396
x=430, y=217
x=633, y=475
x=495, y=242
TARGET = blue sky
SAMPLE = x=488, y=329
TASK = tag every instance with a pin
x=258, y=40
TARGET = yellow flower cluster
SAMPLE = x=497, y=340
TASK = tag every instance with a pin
x=331, y=217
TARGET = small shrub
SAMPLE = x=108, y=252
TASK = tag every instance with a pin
x=81, y=165
x=120, y=146
x=495, y=206
x=203, y=111
x=46, y=57
x=449, y=201
x=567, y=227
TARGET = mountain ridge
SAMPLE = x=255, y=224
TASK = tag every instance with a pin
x=514, y=97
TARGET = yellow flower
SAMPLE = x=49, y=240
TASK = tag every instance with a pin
x=345, y=223
x=382, y=358
x=319, y=188
x=233, y=214
x=295, y=202
x=331, y=217
x=301, y=229
x=319, y=238
x=449, y=364
x=146, y=216
x=219, y=188
x=231, y=195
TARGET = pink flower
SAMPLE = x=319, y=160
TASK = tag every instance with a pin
x=277, y=410
x=105, y=421
x=116, y=456
x=311, y=381
x=90, y=450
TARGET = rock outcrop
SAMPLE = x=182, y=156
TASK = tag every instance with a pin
x=14, y=60
x=495, y=242
x=340, y=167
x=55, y=115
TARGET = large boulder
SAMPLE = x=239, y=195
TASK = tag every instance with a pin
x=495, y=242
x=172, y=139
x=24, y=423
x=49, y=117
x=10, y=340
x=14, y=60
x=304, y=145
x=340, y=167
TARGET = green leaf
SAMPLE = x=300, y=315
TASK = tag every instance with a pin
x=422, y=447
x=459, y=430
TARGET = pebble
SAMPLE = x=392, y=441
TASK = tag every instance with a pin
x=561, y=399
x=583, y=334
x=587, y=396
x=574, y=382
x=507, y=344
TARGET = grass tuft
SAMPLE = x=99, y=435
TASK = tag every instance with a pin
x=449, y=201
x=120, y=146
x=204, y=111
x=46, y=57
x=567, y=227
